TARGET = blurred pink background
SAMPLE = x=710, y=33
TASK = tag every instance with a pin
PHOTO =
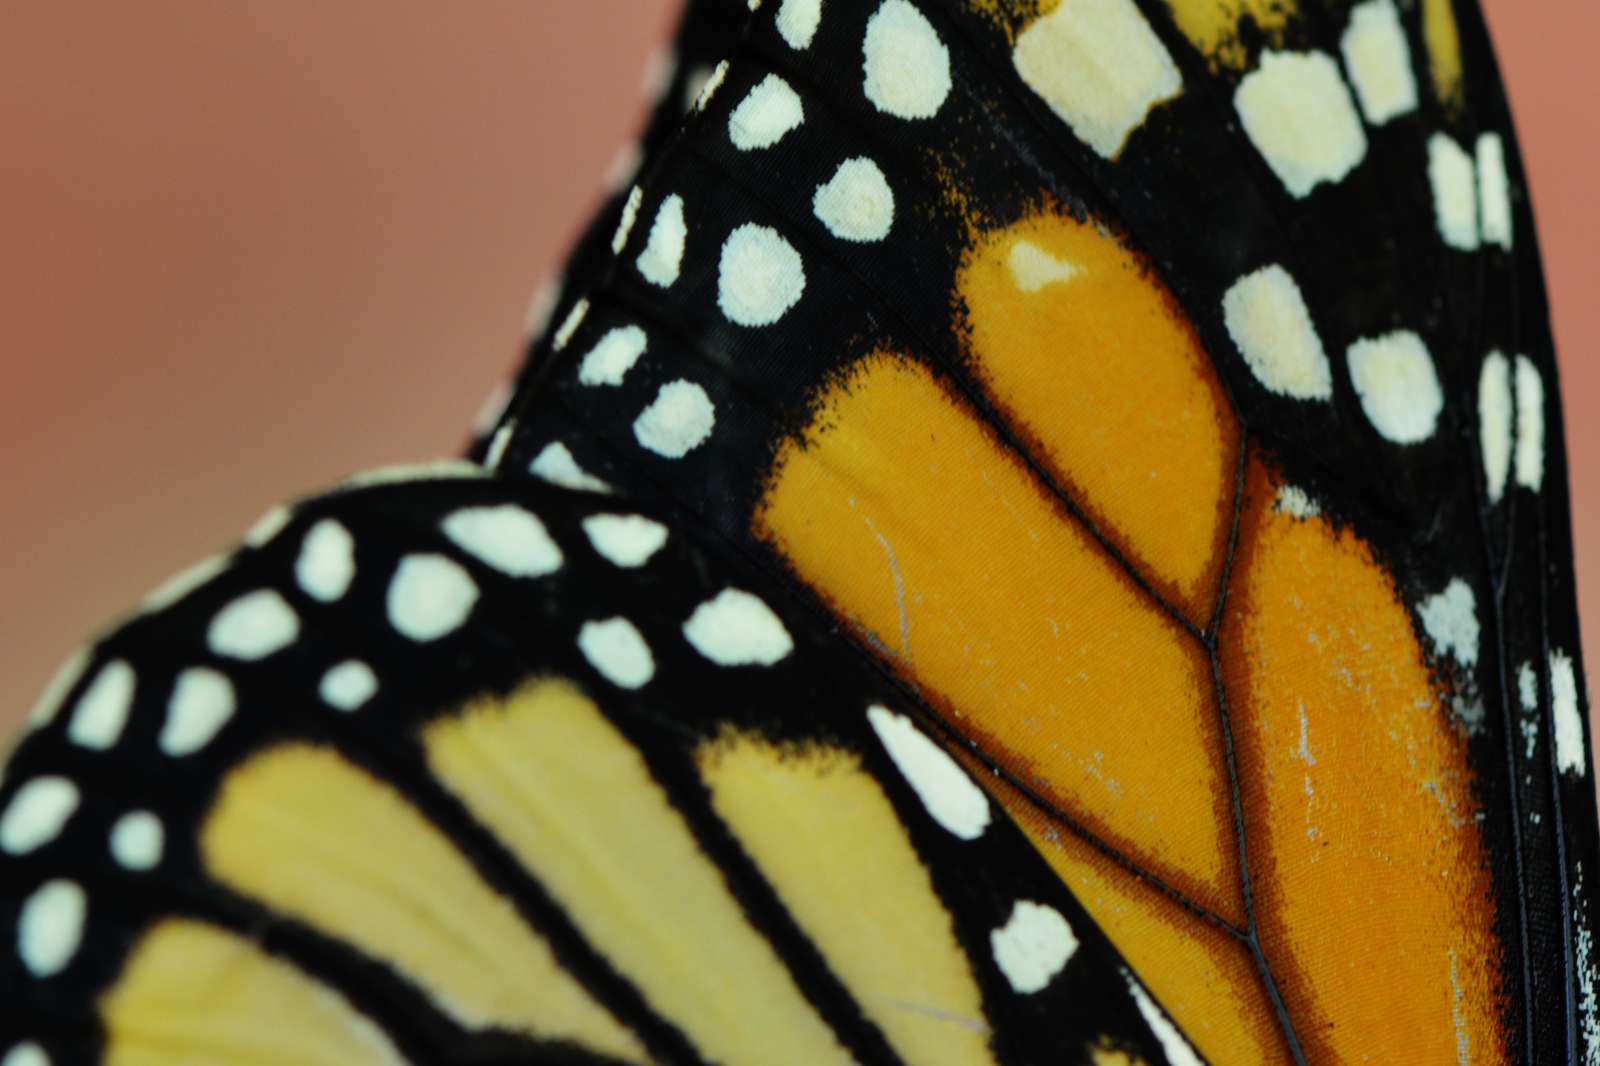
x=246, y=249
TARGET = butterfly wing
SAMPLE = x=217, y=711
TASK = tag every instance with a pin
x=1161, y=393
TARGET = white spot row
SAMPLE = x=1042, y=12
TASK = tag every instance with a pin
x=734, y=628
x=1471, y=197
x=905, y=67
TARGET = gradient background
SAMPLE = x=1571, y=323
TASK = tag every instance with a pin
x=246, y=249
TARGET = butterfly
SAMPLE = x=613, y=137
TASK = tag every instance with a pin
x=1035, y=533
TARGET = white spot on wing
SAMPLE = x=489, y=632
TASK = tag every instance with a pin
x=630, y=214
x=1379, y=61
x=798, y=21
x=1268, y=319
x=735, y=628
x=570, y=324
x=50, y=927
x=137, y=840
x=254, y=626
x=348, y=686
x=760, y=276
x=1530, y=425
x=1494, y=191
x=26, y=1053
x=1033, y=946
x=327, y=561
x=709, y=85
x=1294, y=501
x=1494, y=423
x=662, y=257
x=201, y=704
x=1571, y=754
x=943, y=787
x=1033, y=269
x=677, y=421
x=856, y=204
x=37, y=813
x=1399, y=389
x=102, y=710
x=615, y=648
x=612, y=356
x=1455, y=192
x=1099, y=66
x=506, y=537
x=627, y=541
x=1450, y=618
x=905, y=66
x=555, y=464
x=767, y=112
x=1296, y=110
x=429, y=596
x=1172, y=1042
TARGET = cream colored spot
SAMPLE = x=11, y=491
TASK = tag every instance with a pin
x=555, y=464
x=627, y=541
x=26, y=1053
x=709, y=85
x=1450, y=618
x=1296, y=110
x=1530, y=425
x=769, y=111
x=507, y=537
x=201, y=704
x=430, y=596
x=1494, y=191
x=1033, y=946
x=254, y=626
x=1399, y=389
x=905, y=66
x=760, y=276
x=37, y=813
x=678, y=420
x=1268, y=319
x=1571, y=749
x=630, y=213
x=348, y=686
x=735, y=628
x=856, y=204
x=327, y=561
x=1032, y=268
x=798, y=21
x=50, y=927
x=1379, y=61
x=570, y=324
x=616, y=649
x=137, y=840
x=662, y=258
x=612, y=356
x=1455, y=192
x=1495, y=433
x=102, y=710
x=1099, y=66
x=943, y=787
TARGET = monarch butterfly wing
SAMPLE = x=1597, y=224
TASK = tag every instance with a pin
x=461, y=770
x=1161, y=392
x=707, y=31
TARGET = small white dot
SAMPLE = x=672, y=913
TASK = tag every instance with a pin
x=50, y=927
x=1494, y=191
x=1399, y=389
x=798, y=21
x=662, y=258
x=1295, y=502
x=137, y=840
x=37, y=813
x=1379, y=61
x=630, y=213
x=943, y=787
x=677, y=421
x=628, y=540
x=506, y=537
x=767, y=112
x=429, y=596
x=1496, y=412
x=1033, y=946
x=1571, y=750
x=856, y=204
x=570, y=324
x=26, y=1053
x=760, y=276
x=1297, y=112
x=709, y=86
x=617, y=650
x=1450, y=618
x=1267, y=318
x=735, y=628
x=1530, y=425
x=102, y=710
x=612, y=356
x=1455, y=192
x=905, y=66
x=555, y=464
x=201, y=704
x=348, y=686
x=254, y=626
x=327, y=561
